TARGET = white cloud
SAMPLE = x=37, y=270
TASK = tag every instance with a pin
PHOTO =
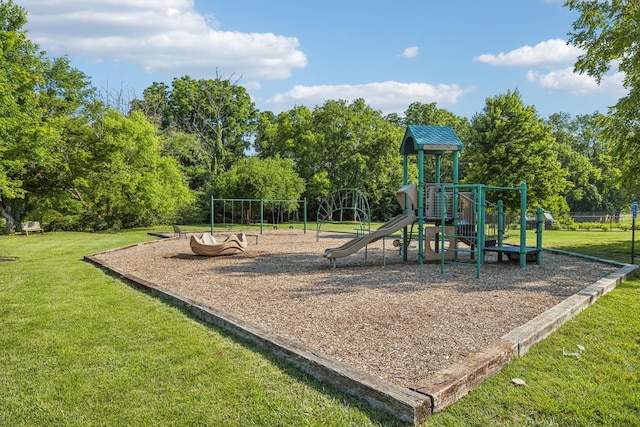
x=161, y=36
x=389, y=96
x=554, y=54
x=547, y=53
x=411, y=52
x=566, y=80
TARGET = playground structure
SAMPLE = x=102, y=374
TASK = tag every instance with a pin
x=256, y=211
x=381, y=293
x=458, y=211
x=453, y=219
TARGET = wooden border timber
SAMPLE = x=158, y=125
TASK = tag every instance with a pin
x=450, y=384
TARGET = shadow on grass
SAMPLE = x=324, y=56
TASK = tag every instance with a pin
x=614, y=251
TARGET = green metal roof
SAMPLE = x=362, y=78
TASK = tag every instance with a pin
x=430, y=139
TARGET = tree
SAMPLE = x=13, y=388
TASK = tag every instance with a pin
x=510, y=144
x=338, y=145
x=218, y=111
x=293, y=135
x=126, y=181
x=430, y=114
x=585, y=153
x=155, y=105
x=19, y=71
x=266, y=179
x=207, y=125
x=608, y=32
x=583, y=194
x=44, y=104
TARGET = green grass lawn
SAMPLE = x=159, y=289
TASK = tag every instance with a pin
x=80, y=348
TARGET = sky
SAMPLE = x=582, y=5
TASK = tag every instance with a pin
x=456, y=53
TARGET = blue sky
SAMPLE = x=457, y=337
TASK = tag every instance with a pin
x=456, y=53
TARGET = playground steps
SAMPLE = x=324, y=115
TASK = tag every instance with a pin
x=513, y=252
x=473, y=241
x=468, y=235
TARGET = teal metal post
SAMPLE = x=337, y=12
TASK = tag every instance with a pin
x=443, y=216
x=455, y=169
x=405, y=181
x=481, y=229
x=500, y=221
x=455, y=203
x=500, y=226
x=437, y=180
x=475, y=208
x=261, y=214
x=523, y=225
x=539, y=222
x=212, y=215
x=305, y=215
x=420, y=207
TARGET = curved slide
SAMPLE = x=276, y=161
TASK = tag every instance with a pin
x=358, y=243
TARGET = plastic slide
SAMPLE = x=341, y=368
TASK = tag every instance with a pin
x=207, y=245
x=358, y=243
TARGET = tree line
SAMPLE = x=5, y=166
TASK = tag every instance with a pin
x=74, y=162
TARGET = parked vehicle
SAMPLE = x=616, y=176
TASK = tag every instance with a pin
x=549, y=222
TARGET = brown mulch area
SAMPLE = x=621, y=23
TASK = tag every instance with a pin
x=402, y=322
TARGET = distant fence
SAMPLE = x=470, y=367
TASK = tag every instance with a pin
x=601, y=217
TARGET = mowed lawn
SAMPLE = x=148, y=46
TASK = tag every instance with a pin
x=81, y=348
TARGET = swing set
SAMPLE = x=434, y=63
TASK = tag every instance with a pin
x=248, y=212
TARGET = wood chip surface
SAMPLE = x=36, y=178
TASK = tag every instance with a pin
x=401, y=322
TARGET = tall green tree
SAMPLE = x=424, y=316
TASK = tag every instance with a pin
x=338, y=145
x=293, y=135
x=44, y=104
x=608, y=32
x=155, y=105
x=206, y=124
x=583, y=194
x=218, y=111
x=255, y=178
x=593, y=175
x=20, y=63
x=510, y=144
x=592, y=141
x=126, y=181
x=430, y=114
